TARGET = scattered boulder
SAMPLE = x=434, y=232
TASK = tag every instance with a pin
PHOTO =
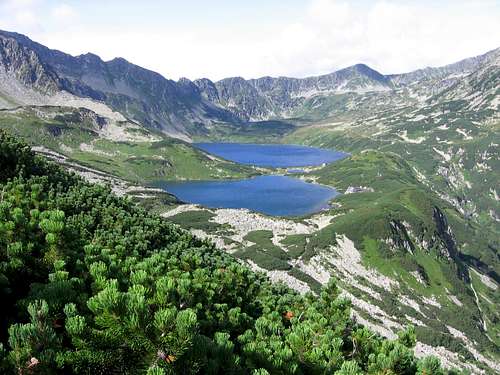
x=359, y=189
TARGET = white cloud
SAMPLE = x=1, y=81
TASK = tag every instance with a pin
x=37, y=18
x=63, y=13
x=18, y=15
x=389, y=36
x=19, y=4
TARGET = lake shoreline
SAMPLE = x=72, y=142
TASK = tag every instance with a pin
x=281, y=190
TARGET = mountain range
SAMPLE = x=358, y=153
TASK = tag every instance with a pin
x=185, y=107
x=417, y=241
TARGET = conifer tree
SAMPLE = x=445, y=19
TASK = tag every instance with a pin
x=93, y=284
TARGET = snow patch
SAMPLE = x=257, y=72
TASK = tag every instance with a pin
x=282, y=276
x=403, y=135
x=486, y=280
x=444, y=155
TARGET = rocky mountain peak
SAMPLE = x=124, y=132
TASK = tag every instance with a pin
x=208, y=89
x=369, y=72
x=89, y=56
x=150, y=98
x=119, y=61
x=26, y=66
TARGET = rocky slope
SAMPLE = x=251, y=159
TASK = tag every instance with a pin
x=417, y=245
x=277, y=98
x=397, y=250
x=121, y=149
x=34, y=74
x=176, y=108
x=444, y=123
x=267, y=97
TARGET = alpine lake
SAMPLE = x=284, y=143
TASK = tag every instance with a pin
x=274, y=195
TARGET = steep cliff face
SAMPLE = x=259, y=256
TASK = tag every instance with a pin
x=138, y=93
x=190, y=107
x=24, y=65
x=267, y=97
x=447, y=244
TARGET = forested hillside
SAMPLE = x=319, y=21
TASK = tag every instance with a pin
x=92, y=284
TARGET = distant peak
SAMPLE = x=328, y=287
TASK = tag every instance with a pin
x=90, y=57
x=362, y=66
x=235, y=80
x=185, y=81
x=19, y=38
x=119, y=60
x=204, y=80
x=366, y=71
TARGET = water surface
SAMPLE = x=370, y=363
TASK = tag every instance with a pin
x=271, y=195
x=271, y=155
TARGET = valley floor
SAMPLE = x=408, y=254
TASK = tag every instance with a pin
x=413, y=239
x=241, y=232
x=388, y=288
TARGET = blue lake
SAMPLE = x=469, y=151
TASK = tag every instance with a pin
x=271, y=195
x=271, y=155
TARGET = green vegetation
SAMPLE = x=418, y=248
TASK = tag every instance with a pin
x=94, y=284
x=486, y=297
x=252, y=132
x=261, y=238
x=141, y=157
x=199, y=219
x=406, y=230
x=402, y=231
x=264, y=253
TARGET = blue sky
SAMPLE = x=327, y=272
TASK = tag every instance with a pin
x=220, y=38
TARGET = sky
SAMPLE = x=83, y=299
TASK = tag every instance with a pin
x=296, y=38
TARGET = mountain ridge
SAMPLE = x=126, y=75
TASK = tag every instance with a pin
x=141, y=94
x=186, y=107
x=427, y=223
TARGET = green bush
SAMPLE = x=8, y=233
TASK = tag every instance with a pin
x=92, y=284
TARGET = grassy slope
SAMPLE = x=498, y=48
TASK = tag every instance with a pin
x=353, y=124
x=68, y=133
x=465, y=180
x=458, y=179
x=113, y=289
x=254, y=132
x=398, y=194
x=366, y=219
